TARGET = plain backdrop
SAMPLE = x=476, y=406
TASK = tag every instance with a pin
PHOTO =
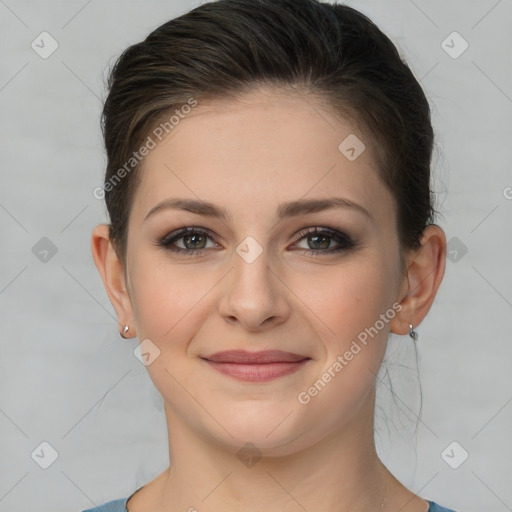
x=68, y=380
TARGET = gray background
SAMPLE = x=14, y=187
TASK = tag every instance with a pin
x=67, y=378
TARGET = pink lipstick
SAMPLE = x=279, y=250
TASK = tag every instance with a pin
x=256, y=366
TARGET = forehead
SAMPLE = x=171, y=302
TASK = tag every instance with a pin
x=260, y=149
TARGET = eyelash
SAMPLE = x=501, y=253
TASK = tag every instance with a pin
x=346, y=243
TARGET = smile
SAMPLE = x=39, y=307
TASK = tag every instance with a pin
x=256, y=366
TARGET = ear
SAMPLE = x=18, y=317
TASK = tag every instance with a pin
x=112, y=273
x=425, y=271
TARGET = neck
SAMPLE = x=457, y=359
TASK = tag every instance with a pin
x=342, y=472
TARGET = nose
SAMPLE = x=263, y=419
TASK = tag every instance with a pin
x=254, y=295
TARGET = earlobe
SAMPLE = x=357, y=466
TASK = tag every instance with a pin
x=425, y=272
x=111, y=270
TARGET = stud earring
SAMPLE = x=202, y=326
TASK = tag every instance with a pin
x=125, y=330
x=412, y=333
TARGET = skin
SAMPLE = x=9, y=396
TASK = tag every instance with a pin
x=248, y=156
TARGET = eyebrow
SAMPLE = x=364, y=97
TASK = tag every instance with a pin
x=289, y=209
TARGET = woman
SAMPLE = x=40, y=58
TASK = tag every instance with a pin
x=268, y=186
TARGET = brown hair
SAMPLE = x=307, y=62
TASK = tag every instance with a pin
x=227, y=47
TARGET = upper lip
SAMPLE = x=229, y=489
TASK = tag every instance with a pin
x=245, y=357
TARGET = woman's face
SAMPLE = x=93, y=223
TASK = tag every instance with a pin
x=258, y=279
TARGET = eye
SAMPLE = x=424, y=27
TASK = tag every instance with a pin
x=194, y=240
x=319, y=241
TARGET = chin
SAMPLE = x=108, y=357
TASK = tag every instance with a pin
x=272, y=429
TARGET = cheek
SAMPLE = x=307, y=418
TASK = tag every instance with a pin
x=170, y=306
x=354, y=342
x=347, y=299
x=171, y=303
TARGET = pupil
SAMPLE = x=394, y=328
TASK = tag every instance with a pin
x=316, y=238
x=189, y=238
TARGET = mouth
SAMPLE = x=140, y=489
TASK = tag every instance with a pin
x=256, y=366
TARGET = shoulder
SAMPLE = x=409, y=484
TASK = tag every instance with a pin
x=434, y=507
x=112, y=506
x=118, y=505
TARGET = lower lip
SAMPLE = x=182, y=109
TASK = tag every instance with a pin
x=257, y=372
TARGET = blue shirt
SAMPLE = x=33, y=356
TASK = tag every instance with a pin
x=120, y=506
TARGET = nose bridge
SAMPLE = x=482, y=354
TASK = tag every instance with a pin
x=253, y=294
x=252, y=265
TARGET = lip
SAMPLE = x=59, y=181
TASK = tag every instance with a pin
x=260, y=366
x=263, y=356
